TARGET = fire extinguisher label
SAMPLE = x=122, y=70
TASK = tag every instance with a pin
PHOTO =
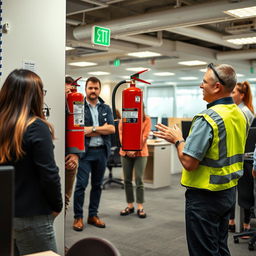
x=137, y=98
x=78, y=108
x=130, y=115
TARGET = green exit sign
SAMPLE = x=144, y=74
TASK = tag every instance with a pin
x=100, y=36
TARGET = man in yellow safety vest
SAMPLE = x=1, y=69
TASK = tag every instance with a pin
x=212, y=157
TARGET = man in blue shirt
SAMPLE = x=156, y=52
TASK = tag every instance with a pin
x=99, y=124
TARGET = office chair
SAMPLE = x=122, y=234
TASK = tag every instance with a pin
x=93, y=246
x=113, y=161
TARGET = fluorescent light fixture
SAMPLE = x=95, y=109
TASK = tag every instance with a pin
x=188, y=78
x=203, y=70
x=242, y=12
x=82, y=64
x=239, y=75
x=243, y=40
x=125, y=77
x=98, y=73
x=192, y=63
x=67, y=48
x=137, y=69
x=170, y=83
x=164, y=74
x=150, y=80
x=144, y=54
x=252, y=79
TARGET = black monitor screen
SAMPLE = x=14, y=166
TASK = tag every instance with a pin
x=164, y=121
x=153, y=123
x=251, y=140
x=185, y=127
x=6, y=209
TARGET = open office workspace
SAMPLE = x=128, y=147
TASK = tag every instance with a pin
x=175, y=41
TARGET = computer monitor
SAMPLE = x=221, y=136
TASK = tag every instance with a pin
x=251, y=140
x=153, y=123
x=185, y=127
x=6, y=209
x=164, y=121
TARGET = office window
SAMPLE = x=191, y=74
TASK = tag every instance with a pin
x=160, y=101
x=189, y=101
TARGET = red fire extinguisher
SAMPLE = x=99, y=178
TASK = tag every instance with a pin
x=75, y=121
x=132, y=107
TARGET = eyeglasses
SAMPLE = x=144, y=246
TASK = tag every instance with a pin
x=211, y=66
x=44, y=92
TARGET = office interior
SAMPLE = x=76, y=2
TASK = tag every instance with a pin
x=174, y=40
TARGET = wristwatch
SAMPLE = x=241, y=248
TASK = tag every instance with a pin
x=177, y=143
x=94, y=129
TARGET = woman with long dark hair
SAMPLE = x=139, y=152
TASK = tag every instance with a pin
x=26, y=143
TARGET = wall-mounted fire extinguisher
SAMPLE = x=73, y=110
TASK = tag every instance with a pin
x=132, y=107
x=75, y=121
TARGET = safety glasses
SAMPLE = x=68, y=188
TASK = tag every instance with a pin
x=211, y=66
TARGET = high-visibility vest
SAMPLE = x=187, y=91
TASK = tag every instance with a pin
x=222, y=165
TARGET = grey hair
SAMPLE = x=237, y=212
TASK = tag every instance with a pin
x=228, y=75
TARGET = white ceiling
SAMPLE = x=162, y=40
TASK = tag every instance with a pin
x=180, y=30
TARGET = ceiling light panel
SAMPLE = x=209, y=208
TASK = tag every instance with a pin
x=82, y=64
x=164, y=74
x=67, y=48
x=98, y=73
x=188, y=78
x=242, y=12
x=239, y=75
x=243, y=40
x=144, y=54
x=137, y=69
x=192, y=63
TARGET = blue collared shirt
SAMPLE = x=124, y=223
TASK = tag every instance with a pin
x=200, y=138
x=95, y=141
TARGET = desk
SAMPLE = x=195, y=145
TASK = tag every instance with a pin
x=157, y=172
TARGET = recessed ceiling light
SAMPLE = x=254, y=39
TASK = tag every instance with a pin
x=242, y=12
x=144, y=54
x=192, y=63
x=67, y=48
x=203, y=70
x=137, y=69
x=125, y=77
x=239, y=75
x=98, y=73
x=252, y=79
x=170, y=83
x=188, y=78
x=164, y=74
x=243, y=40
x=150, y=80
x=82, y=64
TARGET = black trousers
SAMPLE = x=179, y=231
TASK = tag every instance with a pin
x=207, y=216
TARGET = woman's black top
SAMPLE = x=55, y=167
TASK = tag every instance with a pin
x=37, y=180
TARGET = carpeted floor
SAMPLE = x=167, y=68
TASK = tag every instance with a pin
x=162, y=233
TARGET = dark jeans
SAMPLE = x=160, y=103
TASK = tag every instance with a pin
x=94, y=163
x=207, y=216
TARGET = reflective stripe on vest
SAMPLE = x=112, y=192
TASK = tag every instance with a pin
x=224, y=160
x=223, y=163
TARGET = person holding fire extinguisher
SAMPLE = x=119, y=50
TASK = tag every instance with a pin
x=71, y=160
x=135, y=160
x=99, y=124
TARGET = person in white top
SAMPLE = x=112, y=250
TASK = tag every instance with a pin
x=242, y=97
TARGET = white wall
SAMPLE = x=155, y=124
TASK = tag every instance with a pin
x=37, y=33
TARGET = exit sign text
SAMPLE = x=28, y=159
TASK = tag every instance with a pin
x=100, y=36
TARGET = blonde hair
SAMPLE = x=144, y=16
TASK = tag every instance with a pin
x=21, y=103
